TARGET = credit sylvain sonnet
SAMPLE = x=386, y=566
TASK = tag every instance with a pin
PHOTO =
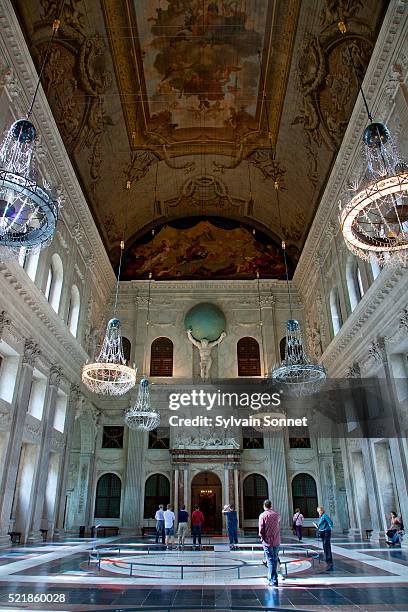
x=209, y=400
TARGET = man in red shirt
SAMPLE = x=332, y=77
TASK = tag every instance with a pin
x=197, y=521
x=269, y=532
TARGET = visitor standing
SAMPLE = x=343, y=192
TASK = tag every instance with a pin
x=169, y=519
x=232, y=524
x=298, y=520
x=269, y=532
x=159, y=516
x=182, y=525
x=197, y=522
x=324, y=528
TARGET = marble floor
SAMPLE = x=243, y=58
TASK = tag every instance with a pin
x=124, y=574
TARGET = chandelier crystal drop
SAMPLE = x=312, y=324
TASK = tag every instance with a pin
x=374, y=214
x=28, y=209
x=109, y=374
x=297, y=372
x=141, y=417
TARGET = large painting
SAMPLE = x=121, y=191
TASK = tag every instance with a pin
x=202, y=250
x=200, y=60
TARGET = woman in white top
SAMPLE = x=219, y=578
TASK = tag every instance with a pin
x=298, y=520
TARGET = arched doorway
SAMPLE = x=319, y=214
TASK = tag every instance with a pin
x=206, y=492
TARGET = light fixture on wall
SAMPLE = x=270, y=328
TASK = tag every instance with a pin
x=374, y=213
x=297, y=372
x=109, y=374
x=28, y=210
x=141, y=416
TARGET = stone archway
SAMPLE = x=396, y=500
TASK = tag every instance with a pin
x=206, y=492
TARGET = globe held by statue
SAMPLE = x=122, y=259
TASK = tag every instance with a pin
x=205, y=320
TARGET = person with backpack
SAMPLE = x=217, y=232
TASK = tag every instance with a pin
x=396, y=530
x=297, y=525
x=324, y=528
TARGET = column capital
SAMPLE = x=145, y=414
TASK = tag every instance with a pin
x=354, y=371
x=5, y=322
x=377, y=350
x=55, y=375
x=31, y=352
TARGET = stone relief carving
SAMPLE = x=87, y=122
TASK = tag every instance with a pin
x=211, y=441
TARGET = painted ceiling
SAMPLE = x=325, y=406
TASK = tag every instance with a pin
x=200, y=106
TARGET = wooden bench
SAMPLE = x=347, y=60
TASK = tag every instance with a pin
x=106, y=531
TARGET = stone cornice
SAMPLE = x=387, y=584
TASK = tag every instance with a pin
x=34, y=318
x=16, y=56
x=374, y=315
x=388, y=46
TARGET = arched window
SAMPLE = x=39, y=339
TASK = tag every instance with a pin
x=157, y=491
x=249, y=362
x=55, y=277
x=108, y=493
x=304, y=494
x=127, y=347
x=255, y=492
x=161, y=357
x=73, y=311
x=282, y=347
x=31, y=264
x=336, y=317
x=354, y=282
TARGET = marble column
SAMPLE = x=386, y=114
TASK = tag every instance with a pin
x=132, y=520
x=74, y=406
x=377, y=521
x=176, y=489
x=41, y=474
x=268, y=332
x=226, y=484
x=186, y=488
x=348, y=482
x=236, y=492
x=327, y=479
x=278, y=481
x=82, y=488
x=12, y=457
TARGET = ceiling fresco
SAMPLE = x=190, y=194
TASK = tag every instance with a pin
x=201, y=105
x=201, y=67
x=196, y=249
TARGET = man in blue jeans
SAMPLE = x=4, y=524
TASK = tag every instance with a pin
x=232, y=524
x=324, y=527
x=269, y=532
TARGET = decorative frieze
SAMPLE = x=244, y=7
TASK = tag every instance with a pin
x=31, y=352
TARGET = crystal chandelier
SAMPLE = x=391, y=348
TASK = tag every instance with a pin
x=141, y=416
x=109, y=374
x=374, y=213
x=28, y=210
x=296, y=372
